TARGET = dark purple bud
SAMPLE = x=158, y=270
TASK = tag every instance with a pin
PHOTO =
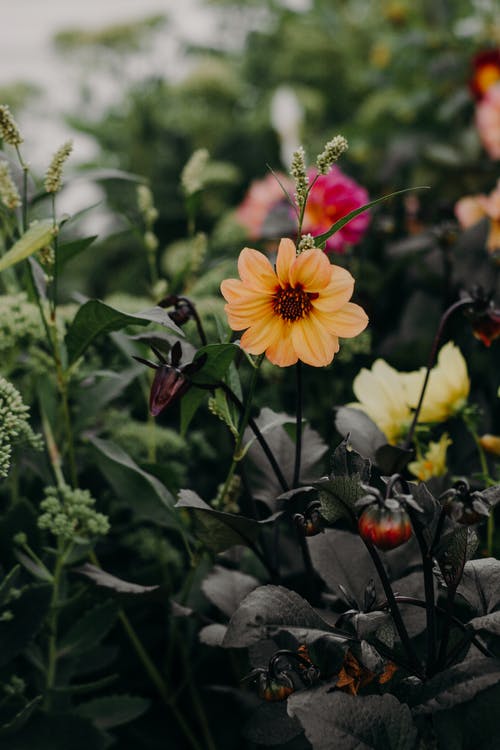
x=169, y=385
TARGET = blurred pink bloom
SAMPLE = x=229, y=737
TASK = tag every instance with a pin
x=488, y=121
x=473, y=208
x=262, y=196
x=333, y=196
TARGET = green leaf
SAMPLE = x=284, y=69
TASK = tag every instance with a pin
x=19, y=720
x=95, y=318
x=142, y=492
x=336, y=720
x=37, y=236
x=219, y=359
x=28, y=614
x=89, y=630
x=112, y=583
x=190, y=403
x=113, y=710
x=227, y=588
x=10, y=582
x=56, y=732
x=68, y=250
x=217, y=530
x=221, y=408
x=322, y=238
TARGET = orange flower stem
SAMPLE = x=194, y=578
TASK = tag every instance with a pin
x=298, y=430
x=432, y=358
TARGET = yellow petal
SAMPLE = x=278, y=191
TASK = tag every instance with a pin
x=337, y=293
x=256, y=272
x=234, y=291
x=312, y=342
x=286, y=256
x=312, y=270
x=349, y=321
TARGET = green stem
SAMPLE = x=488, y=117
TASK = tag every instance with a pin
x=151, y=670
x=242, y=426
x=25, y=169
x=52, y=624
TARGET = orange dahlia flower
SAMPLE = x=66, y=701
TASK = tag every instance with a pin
x=296, y=311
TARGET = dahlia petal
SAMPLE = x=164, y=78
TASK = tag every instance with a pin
x=239, y=319
x=312, y=270
x=261, y=335
x=337, y=293
x=282, y=352
x=349, y=320
x=256, y=272
x=235, y=292
x=312, y=342
x=286, y=257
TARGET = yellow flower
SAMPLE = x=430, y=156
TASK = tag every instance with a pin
x=382, y=396
x=433, y=462
x=296, y=311
x=448, y=387
x=490, y=443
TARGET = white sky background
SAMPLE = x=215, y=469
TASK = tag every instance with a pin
x=27, y=54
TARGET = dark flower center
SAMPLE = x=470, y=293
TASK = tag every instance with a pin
x=293, y=304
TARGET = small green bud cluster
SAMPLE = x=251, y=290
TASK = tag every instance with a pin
x=14, y=426
x=15, y=687
x=53, y=176
x=9, y=194
x=228, y=501
x=194, y=172
x=331, y=153
x=9, y=132
x=146, y=205
x=298, y=171
x=70, y=514
x=307, y=242
x=6, y=616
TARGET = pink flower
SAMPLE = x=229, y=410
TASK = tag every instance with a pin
x=262, y=196
x=473, y=208
x=488, y=121
x=333, y=196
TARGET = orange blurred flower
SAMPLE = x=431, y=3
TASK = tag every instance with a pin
x=473, y=208
x=488, y=121
x=296, y=311
x=486, y=71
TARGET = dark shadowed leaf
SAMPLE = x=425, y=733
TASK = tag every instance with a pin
x=471, y=726
x=95, y=318
x=265, y=484
x=456, y=685
x=227, y=588
x=333, y=554
x=112, y=583
x=393, y=460
x=480, y=586
x=10, y=582
x=218, y=530
x=267, y=609
x=28, y=613
x=271, y=725
x=364, y=435
x=452, y=555
x=112, y=710
x=336, y=720
x=190, y=403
